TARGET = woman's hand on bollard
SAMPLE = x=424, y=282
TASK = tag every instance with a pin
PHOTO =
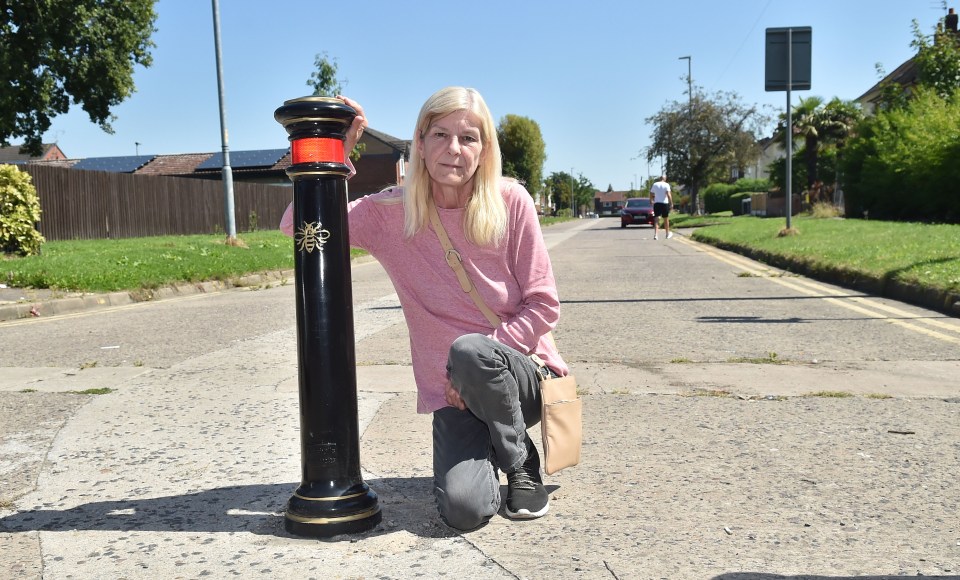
x=356, y=128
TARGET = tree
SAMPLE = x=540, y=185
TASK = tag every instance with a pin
x=701, y=139
x=326, y=84
x=523, y=150
x=561, y=184
x=55, y=51
x=938, y=67
x=806, y=126
x=820, y=125
x=324, y=80
x=938, y=62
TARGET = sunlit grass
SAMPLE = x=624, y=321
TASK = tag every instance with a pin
x=136, y=263
x=149, y=263
x=693, y=221
x=924, y=254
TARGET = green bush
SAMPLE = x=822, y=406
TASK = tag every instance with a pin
x=903, y=165
x=718, y=197
x=778, y=168
x=19, y=212
x=745, y=184
x=826, y=169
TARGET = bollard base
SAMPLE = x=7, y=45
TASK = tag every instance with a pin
x=327, y=517
x=326, y=528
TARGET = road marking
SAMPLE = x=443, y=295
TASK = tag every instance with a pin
x=553, y=237
x=864, y=305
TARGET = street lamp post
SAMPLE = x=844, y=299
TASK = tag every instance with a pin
x=227, y=172
x=689, y=80
x=690, y=114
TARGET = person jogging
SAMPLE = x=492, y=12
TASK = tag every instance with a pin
x=662, y=202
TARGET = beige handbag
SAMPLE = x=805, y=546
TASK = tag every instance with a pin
x=561, y=410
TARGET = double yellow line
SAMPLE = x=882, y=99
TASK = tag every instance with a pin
x=945, y=329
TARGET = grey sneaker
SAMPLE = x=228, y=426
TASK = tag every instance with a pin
x=526, y=497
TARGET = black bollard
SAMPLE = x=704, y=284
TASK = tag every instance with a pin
x=332, y=498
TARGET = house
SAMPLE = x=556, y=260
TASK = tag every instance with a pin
x=770, y=151
x=904, y=75
x=609, y=203
x=907, y=74
x=12, y=155
x=381, y=164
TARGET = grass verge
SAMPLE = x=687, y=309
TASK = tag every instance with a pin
x=859, y=253
x=148, y=263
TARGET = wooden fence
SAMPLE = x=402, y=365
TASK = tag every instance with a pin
x=79, y=204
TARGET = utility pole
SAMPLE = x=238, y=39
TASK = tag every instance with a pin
x=689, y=80
x=690, y=119
x=573, y=212
x=231, y=225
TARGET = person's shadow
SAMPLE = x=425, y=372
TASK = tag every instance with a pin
x=406, y=504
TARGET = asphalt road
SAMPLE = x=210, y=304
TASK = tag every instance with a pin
x=679, y=486
x=626, y=299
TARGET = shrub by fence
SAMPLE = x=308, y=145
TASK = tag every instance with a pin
x=720, y=197
x=79, y=204
x=903, y=165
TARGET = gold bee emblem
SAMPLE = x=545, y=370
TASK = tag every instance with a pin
x=311, y=236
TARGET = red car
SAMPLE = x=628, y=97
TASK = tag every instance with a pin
x=638, y=210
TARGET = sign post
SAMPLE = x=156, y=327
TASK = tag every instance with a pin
x=332, y=498
x=788, y=68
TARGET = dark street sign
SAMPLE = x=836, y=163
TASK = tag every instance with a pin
x=777, y=66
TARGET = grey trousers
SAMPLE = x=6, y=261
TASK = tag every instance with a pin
x=500, y=387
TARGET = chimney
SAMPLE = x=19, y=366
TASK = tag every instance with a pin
x=951, y=21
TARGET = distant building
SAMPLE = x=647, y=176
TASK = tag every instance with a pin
x=609, y=203
x=381, y=164
x=770, y=151
x=907, y=74
x=12, y=155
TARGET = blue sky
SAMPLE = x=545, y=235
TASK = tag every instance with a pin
x=589, y=74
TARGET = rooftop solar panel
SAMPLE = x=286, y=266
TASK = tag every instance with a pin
x=127, y=164
x=239, y=159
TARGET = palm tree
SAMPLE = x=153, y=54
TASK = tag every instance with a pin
x=805, y=125
x=820, y=124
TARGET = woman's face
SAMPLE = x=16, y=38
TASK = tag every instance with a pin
x=451, y=148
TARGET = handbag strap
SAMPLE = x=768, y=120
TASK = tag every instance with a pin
x=455, y=261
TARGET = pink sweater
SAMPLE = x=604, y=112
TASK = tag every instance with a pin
x=515, y=280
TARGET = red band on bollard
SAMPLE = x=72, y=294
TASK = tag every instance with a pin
x=317, y=150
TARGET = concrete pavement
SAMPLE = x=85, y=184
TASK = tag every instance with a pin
x=184, y=472
x=725, y=471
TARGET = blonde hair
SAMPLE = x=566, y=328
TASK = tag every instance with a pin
x=485, y=219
